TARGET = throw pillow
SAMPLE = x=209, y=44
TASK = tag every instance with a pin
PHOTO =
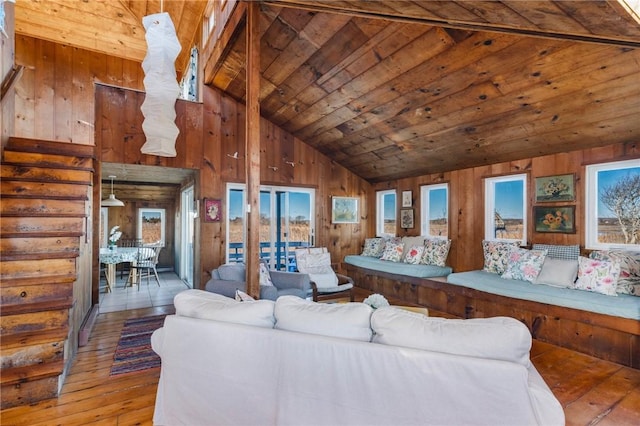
x=494, y=338
x=265, y=275
x=318, y=265
x=558, y=272
x=571, y=252
x=524, y=264
x=600, y=276
x=211, y=306
x=232, y=272
x=345, y=320
x=496, y=255
x=436, y=251
x=629, y=260
x=630, y=285
x=414, y=255
x=373, y=247
x=393, y=250
x=241, y=296
x=409, y=243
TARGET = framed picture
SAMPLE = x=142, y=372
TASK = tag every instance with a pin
x=406, y=199
x=344, y=210
x=555, y=188
x=559, y=219
x=406, y=218
x=212, y=210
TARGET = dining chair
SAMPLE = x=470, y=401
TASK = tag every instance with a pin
x=127, y=242
x=146, y=265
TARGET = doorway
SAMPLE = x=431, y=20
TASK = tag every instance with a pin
x=187, y=235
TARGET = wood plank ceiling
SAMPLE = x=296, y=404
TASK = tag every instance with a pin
x=396, y=89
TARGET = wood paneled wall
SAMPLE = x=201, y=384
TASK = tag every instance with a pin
x=466, y=198
x=209, y=134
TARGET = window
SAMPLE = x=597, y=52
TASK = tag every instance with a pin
x=435, y=210
x=505, y=203
x=189, y=82
x=386, y=213
x=286, y=223
x=208, y=22
x=612, y=214
x=151, y=225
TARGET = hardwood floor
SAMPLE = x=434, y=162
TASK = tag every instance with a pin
x=592, y=391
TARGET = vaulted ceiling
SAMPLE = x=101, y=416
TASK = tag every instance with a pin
x=393, y=89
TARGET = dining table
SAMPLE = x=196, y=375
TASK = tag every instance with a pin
x=111, y=257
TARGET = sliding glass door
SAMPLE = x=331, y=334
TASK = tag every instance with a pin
x=286, y=223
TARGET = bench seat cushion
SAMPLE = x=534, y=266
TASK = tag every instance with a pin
x=401, y=268
x=623, y=305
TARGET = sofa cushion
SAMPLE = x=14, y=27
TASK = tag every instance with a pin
x=496, y=255
x=558, y=272
x=419, y=271
x=524, y=264
x=211, y=306
x=232, y=272
x=413, y=256
x=393, y=250
x=373, y=247
x=501, y=338
x=409, y=242
x=569, y=252
x=436, y=251
x=345, y=320
x=600, y=276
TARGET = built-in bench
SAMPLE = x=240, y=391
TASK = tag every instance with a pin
x=400, y=268
x=578, y=320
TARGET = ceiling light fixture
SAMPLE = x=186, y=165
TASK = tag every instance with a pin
x=112, y=201
x=161, y=85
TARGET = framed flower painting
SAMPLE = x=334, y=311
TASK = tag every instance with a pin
x=556, y=188
x=559, y=219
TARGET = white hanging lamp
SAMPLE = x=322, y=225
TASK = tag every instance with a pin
x=161, y=85
x=112, y=201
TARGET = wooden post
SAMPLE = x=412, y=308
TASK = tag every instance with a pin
x=252, y=162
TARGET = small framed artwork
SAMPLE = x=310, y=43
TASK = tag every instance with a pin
x=406, y=218
x=344, y=210
x=559, y=219
x=212, y=210
x=555, y=188
x=406, y=199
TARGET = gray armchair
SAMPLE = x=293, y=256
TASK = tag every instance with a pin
x=226, y=279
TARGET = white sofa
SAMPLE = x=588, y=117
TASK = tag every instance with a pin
x=296, y=362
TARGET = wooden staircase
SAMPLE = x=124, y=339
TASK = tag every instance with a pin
x=45, y=191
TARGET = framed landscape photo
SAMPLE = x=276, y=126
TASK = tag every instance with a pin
x=551, y=189
x=212, y=210
x=344, y=210
x=406, y=218
x=559, y=219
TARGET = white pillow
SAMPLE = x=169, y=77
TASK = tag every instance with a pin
x=211, y=306
x=345, y=320
x=558, y=272
x=500, y=338
x=265, y=275
x=318, y=266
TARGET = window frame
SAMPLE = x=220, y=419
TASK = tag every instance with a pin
x=425, y=218
x=489, y=206
x=591, y=204
x=380, y=197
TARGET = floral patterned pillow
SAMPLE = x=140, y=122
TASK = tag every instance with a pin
x=414, y=255
x=373, y=247
x=436, y=251
x=496, y=254
x=629, y=285
x=393, y=251
x=600, y=276
x=629, y=260
x=524, y=264
x=265, y=276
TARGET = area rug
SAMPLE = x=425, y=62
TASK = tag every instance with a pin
x=134, y=352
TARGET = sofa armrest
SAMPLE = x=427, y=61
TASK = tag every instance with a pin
x=295, y=280
x=225, y=287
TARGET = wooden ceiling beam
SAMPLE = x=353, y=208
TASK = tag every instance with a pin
x=329, y=7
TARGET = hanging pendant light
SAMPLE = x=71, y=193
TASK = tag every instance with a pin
x=161, y=85
x=112, y=201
